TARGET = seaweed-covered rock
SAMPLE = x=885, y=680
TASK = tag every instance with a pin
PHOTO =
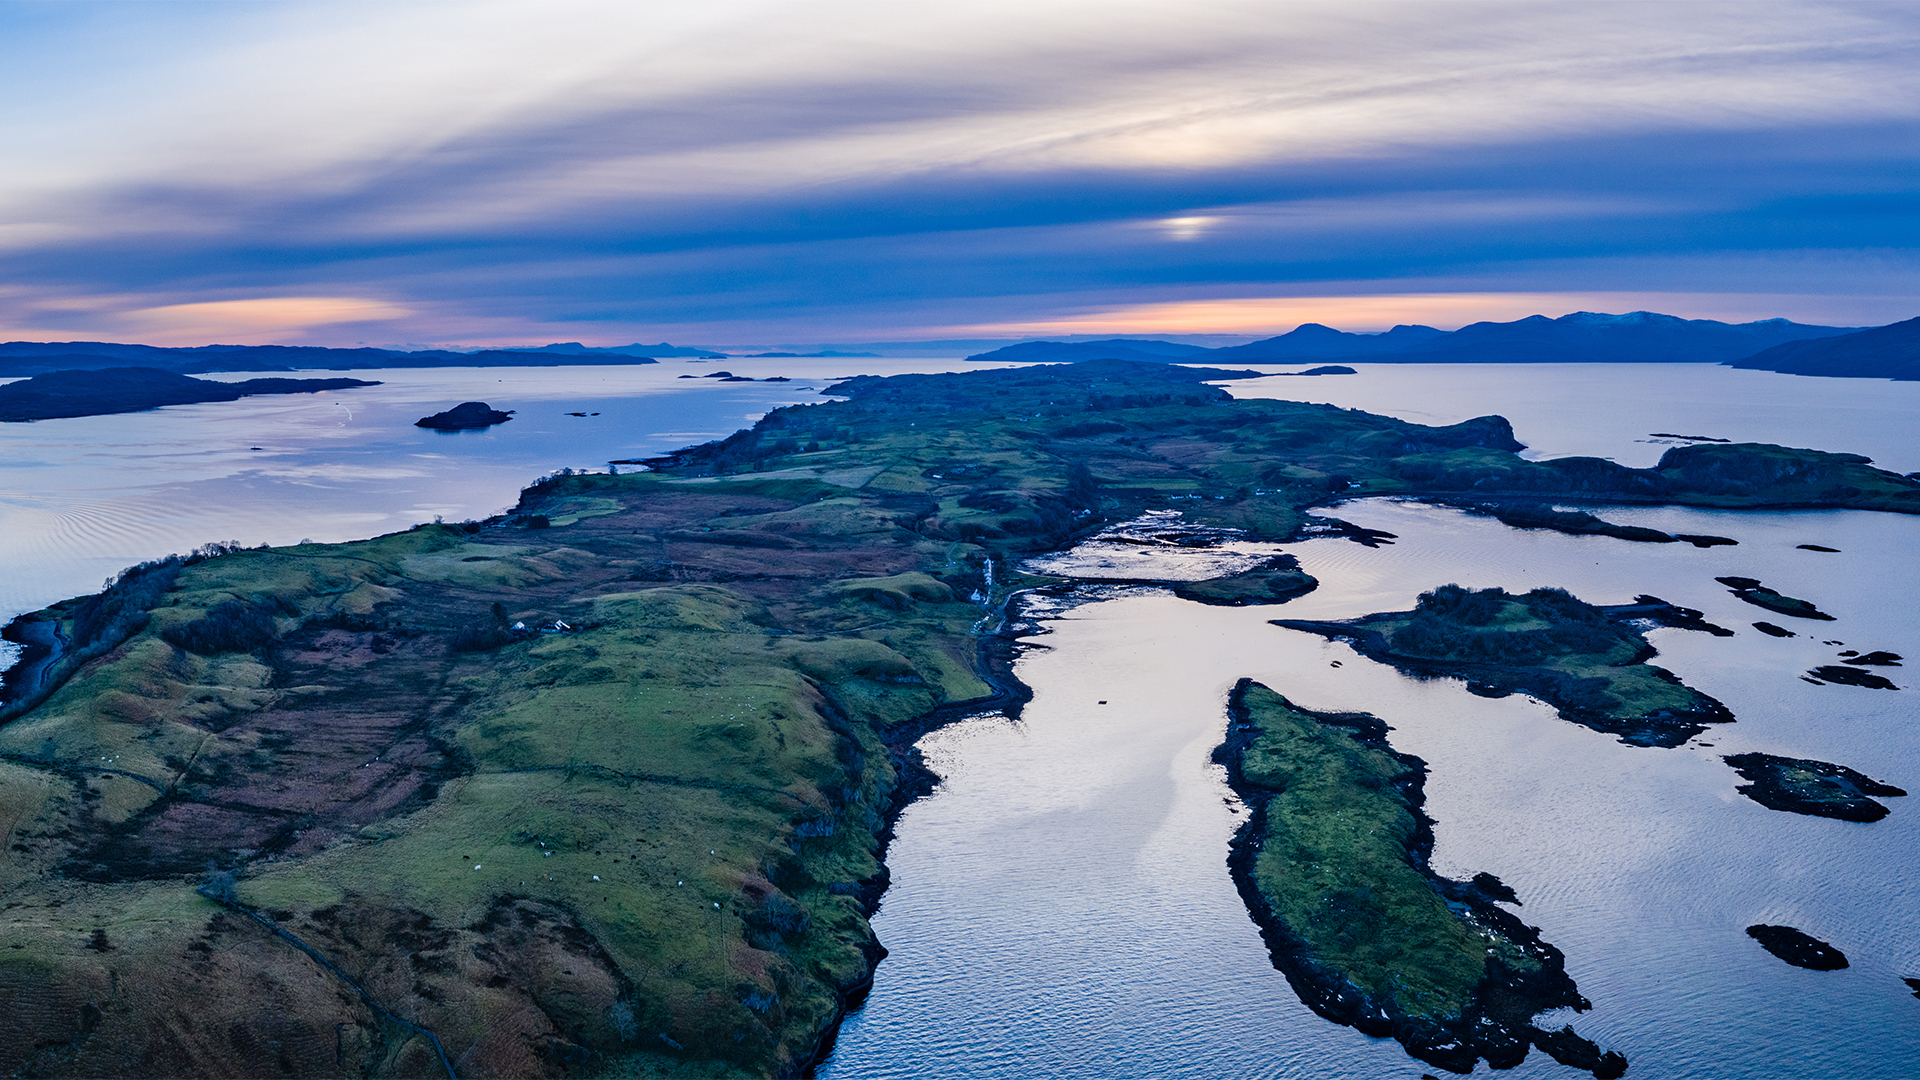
x=1797, y=947
x=1805, y=786
x=1851, y=676
x=1750, y=590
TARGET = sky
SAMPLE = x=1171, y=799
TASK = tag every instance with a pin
x=747, y=172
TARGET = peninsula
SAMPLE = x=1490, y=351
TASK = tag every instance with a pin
x=59, y=394
x=603, y=784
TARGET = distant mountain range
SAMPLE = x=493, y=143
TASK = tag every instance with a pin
x=1582, y=337
x=1887, y=352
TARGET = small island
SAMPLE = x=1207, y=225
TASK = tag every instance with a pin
x=1539, y=515
x=1805, y=786
x=466, y=416
x=65, y=394
x=1333, y=864
x=1588, y=662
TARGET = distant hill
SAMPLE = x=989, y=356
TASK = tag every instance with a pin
x=1884, y=352
x=1072, y=352
x=19, y=358
x=1312, y=341
x=98, y=392
x=1582, y=337
x=1642, y=337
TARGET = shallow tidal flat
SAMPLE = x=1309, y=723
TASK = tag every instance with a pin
x=1032, y=893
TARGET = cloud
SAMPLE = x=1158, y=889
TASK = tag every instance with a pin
x=615, y=167
x=247, y=322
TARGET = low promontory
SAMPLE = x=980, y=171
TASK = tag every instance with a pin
x=61, y=394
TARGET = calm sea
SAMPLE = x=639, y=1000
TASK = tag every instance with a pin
x=1061, y=906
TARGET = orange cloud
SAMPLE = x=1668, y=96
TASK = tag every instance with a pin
x=253, y=322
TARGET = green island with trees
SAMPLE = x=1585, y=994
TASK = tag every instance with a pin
x=1583, y=660
x=1333, y=862
x=603, y=785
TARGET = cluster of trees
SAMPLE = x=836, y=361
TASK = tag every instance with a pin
x=230, y=626
x=120, y=610
x=1455, y=623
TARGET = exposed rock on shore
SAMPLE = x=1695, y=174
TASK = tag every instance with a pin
x=1797, y=947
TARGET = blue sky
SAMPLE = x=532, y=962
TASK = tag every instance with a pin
x=817, y=170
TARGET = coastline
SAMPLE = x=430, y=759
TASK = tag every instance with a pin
x=997, y=651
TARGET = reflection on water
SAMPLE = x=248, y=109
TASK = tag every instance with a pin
x=1061, y=905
